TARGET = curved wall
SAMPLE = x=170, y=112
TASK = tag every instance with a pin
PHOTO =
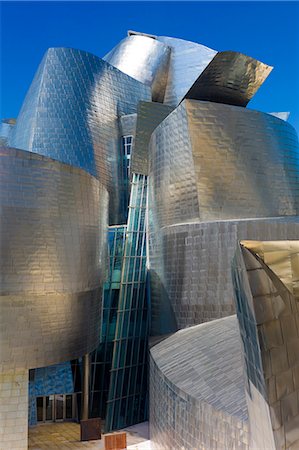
x=213, y=170
x=187, y=61
x=144, y=59
x=189, y=408
x=53, y=260
x=190, y=268
x=210, y=161
x=71, y=113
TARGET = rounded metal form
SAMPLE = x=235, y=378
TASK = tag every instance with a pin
x=71, y=113
x=145, y=59
x=197, y=393
x=217, y=173
x=53, y=259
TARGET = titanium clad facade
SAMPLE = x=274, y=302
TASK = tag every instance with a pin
x=197, y=395
x=187, y=62
x=71, y=113
x=266, y=286
x=149, y=116
x=212, y=162
x=211, y=165
x=145, y=59
x=53, y=260
x=190, y=268
x=231, y=78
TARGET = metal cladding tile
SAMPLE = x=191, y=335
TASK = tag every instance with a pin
x=209, y=161
x=71, y=113
x=187, y=62
x=231, y=78
x=149, y=116
x=189, y=408
x=190, y=269
x=53, y=259
x=270, y=341
x=145, y=59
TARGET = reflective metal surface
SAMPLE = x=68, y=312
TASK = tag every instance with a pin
x=230, y=77
x=149, y=116
x=187, y=62
x=71, y=114
x=266, y=285
x=144, y=59
x=53, y=260
x=190, y=268
x=197, y=394
x=210, y=161
x=210, y=166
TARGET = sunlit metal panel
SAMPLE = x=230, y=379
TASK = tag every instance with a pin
x=71, y=113
x=53, y=260
x=231, y=78
x=144, y=59
x=266, y=288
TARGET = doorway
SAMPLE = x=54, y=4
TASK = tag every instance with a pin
x=56, y=408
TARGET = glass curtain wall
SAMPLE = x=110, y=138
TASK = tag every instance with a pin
x=101, y=358
x=127, y=398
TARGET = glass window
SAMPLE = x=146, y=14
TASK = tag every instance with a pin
x=49, y=407
x=39, y=408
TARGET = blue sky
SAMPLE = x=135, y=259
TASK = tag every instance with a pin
x=268, y=31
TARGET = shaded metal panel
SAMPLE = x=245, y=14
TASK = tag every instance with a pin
x=144, y=59
x=197, y=394
x=128, y=124
x=53, y=260
x=149, y=115
x=71, y=113
x=187, y=61
x=230, y=77
x=268, y=317
x=190, y=268
x=222, y=162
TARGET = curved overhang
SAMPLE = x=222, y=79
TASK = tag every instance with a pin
x=231, y=77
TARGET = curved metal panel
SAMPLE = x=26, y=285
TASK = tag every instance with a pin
x=53, y=260
x=187, y=62
x=231, y=78
x=211, y=162
x=144, y=59
x=190, y=268
x=266, y=287
x=197, y=394
x=71, y=113
x=149, y=115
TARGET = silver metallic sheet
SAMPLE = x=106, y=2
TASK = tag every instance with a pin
x=209, y=161
x=53, y=260
x=266, y=278
x=197, y=393
x=149, y=116
x=187, y=62
x=144, y=59
x=231, y=78
x=128, y=125
x=71, y=113
x=189, y=266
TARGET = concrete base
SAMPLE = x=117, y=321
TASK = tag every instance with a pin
x=14, y=410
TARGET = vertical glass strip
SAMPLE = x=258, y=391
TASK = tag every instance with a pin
x=127, y=398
